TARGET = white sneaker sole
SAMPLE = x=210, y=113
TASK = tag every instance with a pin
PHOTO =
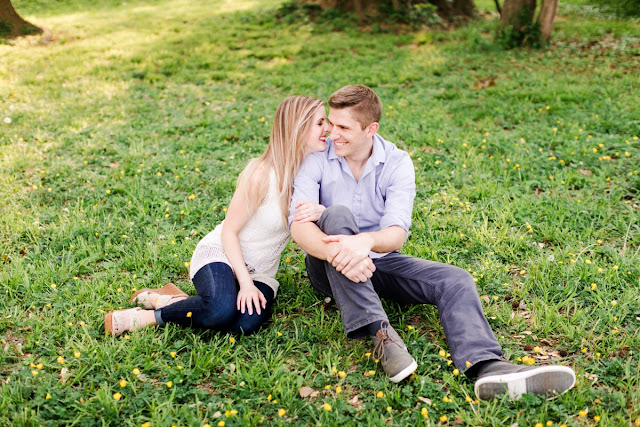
x=546, y=380
x=404, y=373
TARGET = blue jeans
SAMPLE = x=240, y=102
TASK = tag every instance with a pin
x=215, y=305
x=406, y=280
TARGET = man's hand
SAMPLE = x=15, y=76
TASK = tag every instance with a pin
x=349, y=251
x=361, y=272
x=307, y=211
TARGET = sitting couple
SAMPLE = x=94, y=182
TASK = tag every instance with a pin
x=349, y=206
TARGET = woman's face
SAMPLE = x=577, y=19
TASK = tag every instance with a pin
x=317, y=132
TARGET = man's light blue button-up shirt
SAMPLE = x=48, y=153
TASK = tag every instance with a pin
x=382, y=198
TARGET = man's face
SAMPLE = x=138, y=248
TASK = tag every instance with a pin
x=349, y=139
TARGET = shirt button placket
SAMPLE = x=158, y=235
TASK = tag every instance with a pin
x=356, y=206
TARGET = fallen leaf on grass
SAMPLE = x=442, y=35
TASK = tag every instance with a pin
x=425, y=400
x=64, y=374
x=355, y=402
x=592, y=377
x=305, y=391
x=484, y=83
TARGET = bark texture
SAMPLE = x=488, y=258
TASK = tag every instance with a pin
x=11, y=24
x=547, y=17
x=517, y=13
x=457, y=8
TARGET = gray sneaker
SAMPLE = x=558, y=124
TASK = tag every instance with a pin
x=503, y=377
x=393, y=354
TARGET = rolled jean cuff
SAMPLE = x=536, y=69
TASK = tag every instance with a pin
x=159, y=320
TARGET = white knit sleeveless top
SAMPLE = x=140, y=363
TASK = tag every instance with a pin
x=262, y=240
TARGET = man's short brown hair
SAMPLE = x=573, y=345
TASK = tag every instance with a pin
x=362, y=100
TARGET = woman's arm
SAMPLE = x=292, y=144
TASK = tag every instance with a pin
x=235, y=220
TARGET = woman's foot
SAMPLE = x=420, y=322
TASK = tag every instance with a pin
x=119, y=321
x=158, y=298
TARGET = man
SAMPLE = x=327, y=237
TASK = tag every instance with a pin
x=367, y=186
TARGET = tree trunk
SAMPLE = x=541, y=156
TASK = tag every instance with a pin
x=517, y=13
x=11, y=24
x=465, y=8
x=449, y=10
x=547, y=17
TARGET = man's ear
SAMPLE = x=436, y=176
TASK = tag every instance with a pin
x=372, y=128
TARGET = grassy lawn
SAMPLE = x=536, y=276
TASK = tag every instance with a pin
x=120, y=142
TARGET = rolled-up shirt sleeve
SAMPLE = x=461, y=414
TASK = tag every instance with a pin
x=306, y=186
x=400, y=194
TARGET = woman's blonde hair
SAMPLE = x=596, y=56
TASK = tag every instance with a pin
x=284, y=154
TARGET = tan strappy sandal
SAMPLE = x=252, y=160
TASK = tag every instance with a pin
x=152, y=299
x=119, y=321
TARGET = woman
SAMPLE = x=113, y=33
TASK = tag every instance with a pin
x=233, y=267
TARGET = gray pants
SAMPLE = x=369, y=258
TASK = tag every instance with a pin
x=406, y=280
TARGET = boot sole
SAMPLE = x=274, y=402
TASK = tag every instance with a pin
x=546, y=380
x=404, y=373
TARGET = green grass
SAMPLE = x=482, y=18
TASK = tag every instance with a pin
x=530, y=182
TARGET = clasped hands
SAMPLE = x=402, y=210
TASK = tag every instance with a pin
x=348, y=254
